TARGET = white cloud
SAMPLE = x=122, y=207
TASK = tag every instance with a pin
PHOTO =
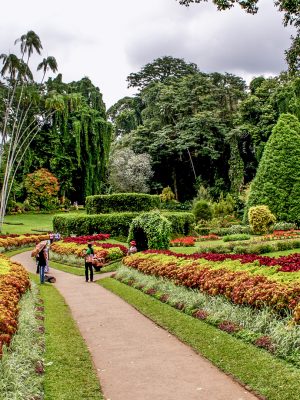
x=106, y=40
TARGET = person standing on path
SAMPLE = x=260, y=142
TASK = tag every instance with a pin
x=89, y=256
x=43, y=259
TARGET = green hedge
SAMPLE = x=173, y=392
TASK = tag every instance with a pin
x=117, y=224
x=121, y=202
x=182, y=222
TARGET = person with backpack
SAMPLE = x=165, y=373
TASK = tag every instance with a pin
x=89, y=256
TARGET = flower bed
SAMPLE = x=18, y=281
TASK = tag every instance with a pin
x=106, y=251
x=14, y=281
x=13, y=241
x=240, y=286
x=289, y=263
x=211, y=236
x=189, y=241
x=261, y=327
x=281, y=235
x=86, y=239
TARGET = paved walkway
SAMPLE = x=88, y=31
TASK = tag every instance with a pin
x=134, y=358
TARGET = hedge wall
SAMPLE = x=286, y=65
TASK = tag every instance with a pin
x=182, y=222
x=121, y=202
x=117, y=224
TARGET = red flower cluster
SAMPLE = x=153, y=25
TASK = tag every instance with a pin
x=12, y=285
x=88, y=238
x=289, y=263
x=208, y=237
x=239, y=287
x=278, y=235
x=188, y=241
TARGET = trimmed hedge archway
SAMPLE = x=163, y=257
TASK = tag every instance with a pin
x=150, y=230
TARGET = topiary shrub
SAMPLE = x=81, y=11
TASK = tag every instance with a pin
x=261, y=219
x=150, y=231
x=167, y=195
x=202, y=210
x=118, y=202
x=277, y=182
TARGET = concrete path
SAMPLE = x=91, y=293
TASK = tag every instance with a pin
x=134, y=358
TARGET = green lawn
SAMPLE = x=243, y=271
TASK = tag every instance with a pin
x=30, y=223
x=273, y=378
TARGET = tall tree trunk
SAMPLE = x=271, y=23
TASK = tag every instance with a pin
x=174, y=177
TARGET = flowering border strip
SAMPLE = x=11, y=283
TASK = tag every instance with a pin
x=13, y=241
x=14, y=281
x=289, y=263
x=86, y=239
x=238, y=286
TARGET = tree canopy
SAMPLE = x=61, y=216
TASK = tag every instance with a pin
x=161, y=70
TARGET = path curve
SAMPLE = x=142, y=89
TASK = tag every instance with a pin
x=134, y=358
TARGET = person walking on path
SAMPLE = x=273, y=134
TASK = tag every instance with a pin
x=89, y=256
x=43, y=259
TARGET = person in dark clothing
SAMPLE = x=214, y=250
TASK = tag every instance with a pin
x=89, y=255
x=43, y=257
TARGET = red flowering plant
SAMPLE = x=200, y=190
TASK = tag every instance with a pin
x=207, y=237
x=188, y=241
x=87, y=238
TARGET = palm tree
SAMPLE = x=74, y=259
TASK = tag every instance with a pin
x=29, y=42
x=11, y=64
x=46, y=64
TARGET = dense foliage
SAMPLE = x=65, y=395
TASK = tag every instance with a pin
x=277, y=181
x=129, y=172
x=150, y=231
x=184, y=123
x=42, y=189
x=102, y=204
x=85, y=136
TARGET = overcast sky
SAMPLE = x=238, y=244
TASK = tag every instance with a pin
x=106, y=40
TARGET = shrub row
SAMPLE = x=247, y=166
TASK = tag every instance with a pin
x=257, y=248
x=121, y=202
x=14, y=281
x=117, y=224
x=233, y=238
